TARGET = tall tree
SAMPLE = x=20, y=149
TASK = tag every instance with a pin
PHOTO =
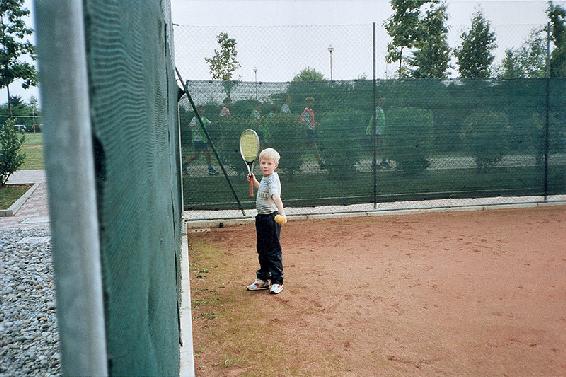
x=308, y=74
x=403, y=28
x=224, y=63
x=309, y=82
x=475, y=54
x=510, y=68
x=432, y=55
x=527, y=61
x=15, y=45
x=557, y=16
x=21, y=112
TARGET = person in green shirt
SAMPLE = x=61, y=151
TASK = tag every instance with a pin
x=200, y=146
x=379, y=125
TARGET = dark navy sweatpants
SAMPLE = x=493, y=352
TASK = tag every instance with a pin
x=269, y=249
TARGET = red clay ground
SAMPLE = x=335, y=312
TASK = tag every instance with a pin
x=435, y=294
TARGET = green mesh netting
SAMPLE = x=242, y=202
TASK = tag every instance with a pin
x=134, y=107
x=440, y=139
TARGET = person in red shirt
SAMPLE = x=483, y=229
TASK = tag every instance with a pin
x=307, y=118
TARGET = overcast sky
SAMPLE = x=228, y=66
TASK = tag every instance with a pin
x=279, y=52
x=279, y=44
x=337, y=12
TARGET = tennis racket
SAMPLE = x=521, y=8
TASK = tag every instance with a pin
x=249, y=148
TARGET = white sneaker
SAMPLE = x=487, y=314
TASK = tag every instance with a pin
x=276, y=289
x=258, y=284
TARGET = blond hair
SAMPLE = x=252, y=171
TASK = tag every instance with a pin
x=270, y=154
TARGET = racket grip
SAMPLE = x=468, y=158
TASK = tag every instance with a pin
x=251, y=188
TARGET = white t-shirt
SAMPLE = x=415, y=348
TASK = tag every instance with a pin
x=268, y=187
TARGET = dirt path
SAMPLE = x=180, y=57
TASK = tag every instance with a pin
x=437, y=294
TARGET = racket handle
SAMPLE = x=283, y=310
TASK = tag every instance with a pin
x=251, y=188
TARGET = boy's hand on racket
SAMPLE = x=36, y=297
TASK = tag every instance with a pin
x=281, y=219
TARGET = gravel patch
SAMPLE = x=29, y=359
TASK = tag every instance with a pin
x=29, y=340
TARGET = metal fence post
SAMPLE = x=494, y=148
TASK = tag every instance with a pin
x=547, y=111
x=69, y=161
x=373, y=137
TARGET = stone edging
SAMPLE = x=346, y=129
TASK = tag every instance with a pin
x=18, y=203
x=207, y=224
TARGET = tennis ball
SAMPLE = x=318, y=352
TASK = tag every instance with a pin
x=280, y=219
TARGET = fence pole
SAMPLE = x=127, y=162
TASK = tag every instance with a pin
x=373, y=137
x=547, y=104
x=71, y=185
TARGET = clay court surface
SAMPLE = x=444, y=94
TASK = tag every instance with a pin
x=429, y=294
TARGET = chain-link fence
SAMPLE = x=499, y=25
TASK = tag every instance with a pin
x=338, y=52
x=433, y=138
x=24, y=123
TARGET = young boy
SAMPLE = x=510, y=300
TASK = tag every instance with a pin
x=268, y=205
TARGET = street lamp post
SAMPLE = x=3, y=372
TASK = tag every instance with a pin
x=330, y=50
x=255, y=80
x=33, y=103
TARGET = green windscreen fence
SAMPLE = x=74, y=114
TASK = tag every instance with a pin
x=133, y=100
x=432, y=139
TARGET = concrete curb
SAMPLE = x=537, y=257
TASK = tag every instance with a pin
x=194, y=225
x=18, y=203
x=186, y=352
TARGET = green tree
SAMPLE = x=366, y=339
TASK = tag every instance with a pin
x=308, y=82
x=527, y=61
x=557, y=16
x=510, y=68
x=403, y=28
x=15, y=45
x=308, y=74
x=10, y=157
x=432, y=55
x=475, y=54
x=17, y=101
x=20, y=111
x=224, y=63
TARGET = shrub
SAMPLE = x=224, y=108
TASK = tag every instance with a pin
x=10, y=157
x=408, y=138
x=243, y=108
x=484, y=137
x=339, y=139
x=288, y=137
x=279, y=131
x=535, y=139
x=225, y=133
x=556, y=132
